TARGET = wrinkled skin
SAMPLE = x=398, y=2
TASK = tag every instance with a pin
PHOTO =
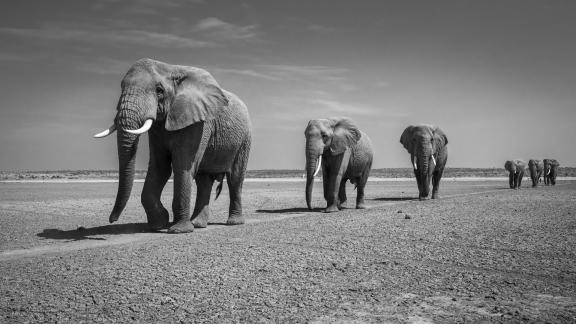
x=199, y=131
x=515, y=170
x=536, y=167
x=346, y=155
x=428, y=154
x=550, y=171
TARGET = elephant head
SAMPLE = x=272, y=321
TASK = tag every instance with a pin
x=423, y=142
x=326, y=137
x=550, y=171
x=156, y=94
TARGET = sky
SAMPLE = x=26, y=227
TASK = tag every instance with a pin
x=498, y=76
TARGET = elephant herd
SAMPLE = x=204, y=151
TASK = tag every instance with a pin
x=200, y=132
x=516, y=168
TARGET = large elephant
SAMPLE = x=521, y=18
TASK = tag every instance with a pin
x=535, y=167
x=515, y=169
x=428, y=153
x=196, y=130
x=344, y=153
x=550, y=171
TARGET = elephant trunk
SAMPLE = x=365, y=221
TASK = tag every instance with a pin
x=425, y=171
x=129, y=117
x=313, y=163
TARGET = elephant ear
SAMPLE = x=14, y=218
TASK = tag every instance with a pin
x=406, y=138
x=345, y=135
x=198, y=95
x=439, y=135
x=508, y=165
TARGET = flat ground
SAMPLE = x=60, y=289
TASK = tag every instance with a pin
x=481, y=253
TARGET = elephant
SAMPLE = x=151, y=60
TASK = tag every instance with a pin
x=516, y=172
x=550, y=171
x=196, y=129
x=535, y=167
x=427, y=144
x=344, y=153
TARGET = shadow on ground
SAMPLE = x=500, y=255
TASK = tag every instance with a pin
x=82, y=233
x=297, y=210
x=394, y=198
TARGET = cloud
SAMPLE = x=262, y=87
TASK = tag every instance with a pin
x=320, y=29
x=143, y=7
x=104, y=66
x=119, y=38
x=219, y=30
x=21, y=57
x=245, y=73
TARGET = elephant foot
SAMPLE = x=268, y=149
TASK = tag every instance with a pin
x=182, y=226
x=235, y=220
x=343, y=205
x=201, y=221
x=158, y=219
x=361, y=205
x=331, y=209
x=435, y=196
x=421, y=198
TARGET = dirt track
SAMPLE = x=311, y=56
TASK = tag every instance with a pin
x=482, y=253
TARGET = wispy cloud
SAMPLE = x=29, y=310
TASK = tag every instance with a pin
x=320, y=29
x=245, y=73
x=219, y=30
x=11, y=57
x=286, y=72
x=119, y=38
x=208, y=32
x=104, y=66
x=143, y=7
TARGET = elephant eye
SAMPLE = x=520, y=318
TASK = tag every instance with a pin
x=159, y=92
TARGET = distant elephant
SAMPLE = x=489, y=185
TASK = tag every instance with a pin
x=347, y=155
x=516, y=172
x=535, y=167
x=196, y=129
x=428, y=154
x=550, y=171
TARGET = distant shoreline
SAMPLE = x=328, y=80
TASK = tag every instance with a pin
x=385, y=174
x=371, y=179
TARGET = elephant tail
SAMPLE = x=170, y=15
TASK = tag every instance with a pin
x=220, y=178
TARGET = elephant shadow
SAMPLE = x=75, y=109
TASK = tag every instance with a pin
x=395, y=198
x=82, y=233
x=294, y=210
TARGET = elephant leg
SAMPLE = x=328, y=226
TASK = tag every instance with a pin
x=235, y=181
x=520, y=177
x=335, y=177
x=436, y=176
x=185, y=162
x=159, y=171
x=418, y=181
x=342, y=194
x=201, y=213
x=511, y=180
x=360, y=185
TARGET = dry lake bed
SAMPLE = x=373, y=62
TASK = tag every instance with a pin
x=482, y=253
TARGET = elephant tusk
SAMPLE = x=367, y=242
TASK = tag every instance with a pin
x=319, y=164
x=143, y=129
x=106, y=132
x=415, y=164
x=433, y=160
x=548, y=172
